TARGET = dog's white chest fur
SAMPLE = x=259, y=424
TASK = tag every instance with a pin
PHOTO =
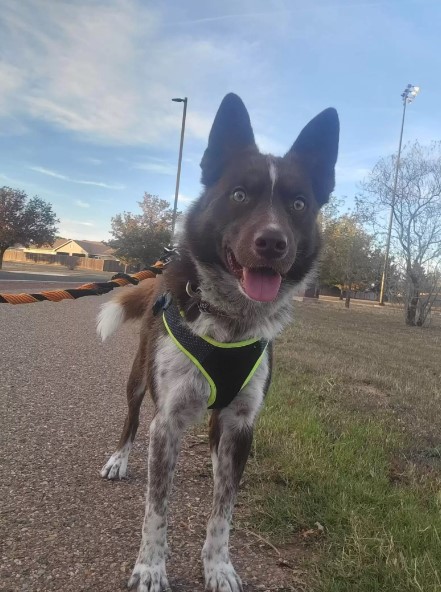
x=182, y=386
x=179, y=381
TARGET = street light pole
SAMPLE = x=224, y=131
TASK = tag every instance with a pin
x=178, y=176
x=409, y=94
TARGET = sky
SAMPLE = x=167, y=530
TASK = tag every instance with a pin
x=86, y=117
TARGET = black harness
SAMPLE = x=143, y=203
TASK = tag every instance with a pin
x=228, y=367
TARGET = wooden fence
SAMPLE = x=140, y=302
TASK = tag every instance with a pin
x=72, y=262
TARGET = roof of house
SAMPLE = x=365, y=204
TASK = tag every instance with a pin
x=47, y=246
x=58, y=242
x=95, y=247
x=91, y=247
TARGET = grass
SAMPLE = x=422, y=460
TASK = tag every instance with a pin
x=348, y=450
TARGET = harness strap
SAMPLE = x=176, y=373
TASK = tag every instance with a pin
x=227, y=367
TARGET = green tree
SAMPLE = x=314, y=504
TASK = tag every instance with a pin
x=141, y=238
x=349, y=260
x=25, y=221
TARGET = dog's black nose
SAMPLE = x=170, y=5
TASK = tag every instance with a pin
x=271, y=243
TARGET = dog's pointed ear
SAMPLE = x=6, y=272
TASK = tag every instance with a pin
x=230, y=134
x=317, y=148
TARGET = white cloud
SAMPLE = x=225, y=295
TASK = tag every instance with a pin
x=108, y=70
x=268, y=144
x=12, y=78
x=56, y=175
x=350, y=174
x=183, y=200
x=162, y=168
x=77, y=229
x=82, y=204
x=10, y=180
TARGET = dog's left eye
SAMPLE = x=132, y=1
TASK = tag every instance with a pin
x=299, y=203
x=239, y=195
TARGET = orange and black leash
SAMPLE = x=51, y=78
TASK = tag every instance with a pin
x=91, y=289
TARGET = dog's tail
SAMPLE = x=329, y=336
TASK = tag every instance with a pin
x=129, y=304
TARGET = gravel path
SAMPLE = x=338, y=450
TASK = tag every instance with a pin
x=62, y=405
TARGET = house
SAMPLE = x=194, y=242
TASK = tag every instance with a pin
x=44, y=249
x=78, y=248
x=85, y=248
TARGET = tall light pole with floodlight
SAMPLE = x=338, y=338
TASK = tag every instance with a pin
x=408, y=95
x=178, y=176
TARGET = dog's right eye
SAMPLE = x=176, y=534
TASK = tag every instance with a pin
x=239, y=195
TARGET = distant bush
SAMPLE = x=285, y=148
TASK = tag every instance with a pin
x=72, y=262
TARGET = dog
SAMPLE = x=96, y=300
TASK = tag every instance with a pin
x=248, y=243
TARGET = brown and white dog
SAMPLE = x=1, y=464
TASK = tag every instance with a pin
x=248, y=242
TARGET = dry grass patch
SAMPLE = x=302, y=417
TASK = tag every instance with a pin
x=370, y=361
x=348, y=447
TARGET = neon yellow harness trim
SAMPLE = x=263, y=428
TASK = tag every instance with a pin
x=231, y=372
x=212, y=397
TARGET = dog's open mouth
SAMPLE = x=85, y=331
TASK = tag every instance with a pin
x=258, y=283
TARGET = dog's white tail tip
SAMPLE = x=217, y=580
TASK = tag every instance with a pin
x=110, y=318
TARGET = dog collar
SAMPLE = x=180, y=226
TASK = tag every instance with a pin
x=203, y=305
x=228, y=367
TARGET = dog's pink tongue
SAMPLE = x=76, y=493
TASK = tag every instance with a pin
x=261, y=285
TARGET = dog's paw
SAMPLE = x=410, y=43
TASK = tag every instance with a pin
x=221, y=577
x=116, y=466
x=149, y=578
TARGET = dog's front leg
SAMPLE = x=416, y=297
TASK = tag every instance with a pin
x=181, y=395
x=232, y=454
x=149, y=574
x=166, y=430
x=231, y=435
x=233, y=447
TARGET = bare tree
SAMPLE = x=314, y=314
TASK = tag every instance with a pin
x=416, y=231
x=431, y=295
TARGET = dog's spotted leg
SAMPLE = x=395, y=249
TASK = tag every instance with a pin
x=116, y=466
x=182, y=394
x=231, y=434
x=232, y=453
x=149, y=574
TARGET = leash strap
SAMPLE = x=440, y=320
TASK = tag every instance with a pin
x=94, y=288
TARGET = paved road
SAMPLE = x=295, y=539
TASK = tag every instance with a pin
x=30, y=279
x=46, y=273
x=62, y=403
x=30, y=287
